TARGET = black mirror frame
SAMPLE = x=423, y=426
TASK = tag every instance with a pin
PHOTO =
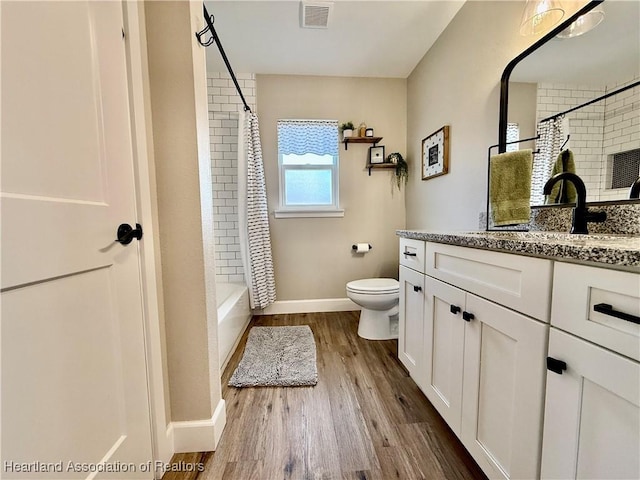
x=504, y=81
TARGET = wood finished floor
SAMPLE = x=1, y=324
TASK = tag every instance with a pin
x=365, y=419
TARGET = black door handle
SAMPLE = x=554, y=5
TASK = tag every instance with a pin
x=468, y=316
x=409, y=254
x=608, y=310
x=557, y=366
x=417, y=288
x=126, y=234
x=454, y=309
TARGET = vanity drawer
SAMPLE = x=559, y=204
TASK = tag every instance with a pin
x=518, y=282
x=579, y=293
x=412, y=254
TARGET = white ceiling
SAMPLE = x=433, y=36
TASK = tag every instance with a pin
x=366, y=38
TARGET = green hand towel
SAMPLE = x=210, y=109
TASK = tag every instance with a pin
x=510, y=189
x=563, y=191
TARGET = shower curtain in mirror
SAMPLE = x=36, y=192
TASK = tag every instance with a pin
x=253, y=216
x=552, y=136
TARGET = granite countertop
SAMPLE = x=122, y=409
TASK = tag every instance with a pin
x=613, y=251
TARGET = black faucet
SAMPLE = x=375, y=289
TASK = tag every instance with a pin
x=581, y=214
x=634, y=191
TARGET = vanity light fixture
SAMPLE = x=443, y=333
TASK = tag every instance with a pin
x=584, y=23
x=540, y=15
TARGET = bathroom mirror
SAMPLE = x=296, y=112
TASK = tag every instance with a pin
x=556, y=74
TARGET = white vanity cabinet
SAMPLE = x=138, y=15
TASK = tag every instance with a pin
x=484, y=332
x=411, y=324
x=411, y=313
x=480, y=364
x=485, y=375
x=592, y=411
x=484, y=362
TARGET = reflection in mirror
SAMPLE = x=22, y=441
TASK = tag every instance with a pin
x=601, y=141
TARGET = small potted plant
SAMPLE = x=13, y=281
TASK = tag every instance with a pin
x=347, y=129
x=401, y=170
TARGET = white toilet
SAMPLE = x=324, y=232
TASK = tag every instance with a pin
x=378, y=298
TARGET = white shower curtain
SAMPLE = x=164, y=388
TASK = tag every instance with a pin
x=551, y=139
x=253, y=215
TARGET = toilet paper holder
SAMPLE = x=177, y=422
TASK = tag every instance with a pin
x=355, y=247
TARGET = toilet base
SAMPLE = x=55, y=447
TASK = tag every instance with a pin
x=378, y=324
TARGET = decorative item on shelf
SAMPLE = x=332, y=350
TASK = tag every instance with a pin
x=376, y=155
x=362, y=129
x=401, y=170
x=347, y=129
x=435, y=154
x=368, y=132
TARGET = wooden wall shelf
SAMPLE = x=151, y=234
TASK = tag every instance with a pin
x=379, y=165
x=349, y=140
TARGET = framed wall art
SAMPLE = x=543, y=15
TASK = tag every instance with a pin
x=435, y=154
x=376, y=154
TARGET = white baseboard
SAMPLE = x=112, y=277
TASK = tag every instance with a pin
x=198, y=435
x=309, y=306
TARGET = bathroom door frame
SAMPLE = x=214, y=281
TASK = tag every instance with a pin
x=142, y=139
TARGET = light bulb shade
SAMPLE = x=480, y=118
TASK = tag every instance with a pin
x=583, y=24
x=540, y=15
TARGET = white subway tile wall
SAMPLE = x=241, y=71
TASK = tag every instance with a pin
x=606, y=127
x=224, y=105
x=621, y=133
x=586, y=127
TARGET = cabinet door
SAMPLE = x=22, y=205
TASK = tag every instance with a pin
x=592, y=416
x=410, y=327
x=504, y=374
x=443, y=348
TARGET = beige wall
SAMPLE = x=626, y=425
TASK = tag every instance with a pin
x=312, y=256
x=180, y=132
x=457, y=83
x=522, y=109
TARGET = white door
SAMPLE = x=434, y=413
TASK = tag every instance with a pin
x=592, y=413
x=411, y=321
x=444, y=349
x=504, y=374
x=74, y=385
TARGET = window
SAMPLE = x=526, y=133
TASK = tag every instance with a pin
x=308, y=165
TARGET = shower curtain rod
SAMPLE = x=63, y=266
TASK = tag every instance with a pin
x=607, y=95
x=214, y=38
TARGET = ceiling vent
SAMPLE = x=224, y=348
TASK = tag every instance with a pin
x=315, y=14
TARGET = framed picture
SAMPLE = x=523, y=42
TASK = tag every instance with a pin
x=376, y=154
x=435, y=154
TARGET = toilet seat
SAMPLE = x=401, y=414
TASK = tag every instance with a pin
x=374, y=286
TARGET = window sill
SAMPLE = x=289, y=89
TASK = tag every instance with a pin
x=308, y=213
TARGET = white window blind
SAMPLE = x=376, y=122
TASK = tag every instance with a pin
x=308, y=165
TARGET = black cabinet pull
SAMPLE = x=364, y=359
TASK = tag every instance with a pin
x=468, y=316
x=417, y=288
x=409, y=254
x=557, y=366
x=608, y=310
x=454, y=309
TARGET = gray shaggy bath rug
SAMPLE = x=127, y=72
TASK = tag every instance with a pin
x=277, y=357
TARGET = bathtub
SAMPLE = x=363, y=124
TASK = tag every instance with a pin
x=233, y=317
